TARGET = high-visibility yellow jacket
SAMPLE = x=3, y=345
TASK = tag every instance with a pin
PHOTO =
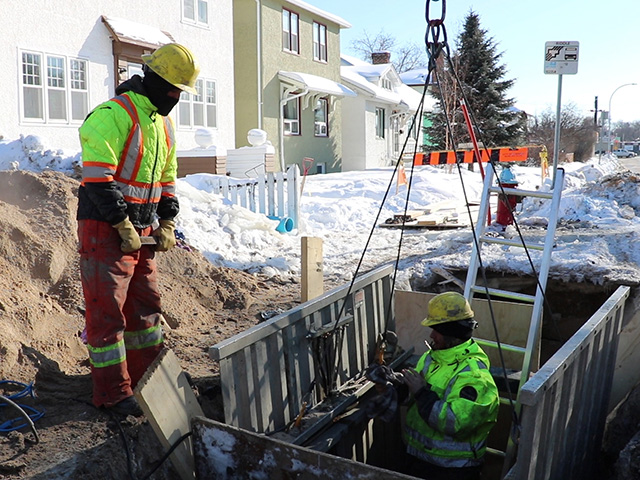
x=129, y=160
x=450, y=420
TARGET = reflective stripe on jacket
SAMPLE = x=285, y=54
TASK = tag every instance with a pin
x=129, y=162
x=456, y=431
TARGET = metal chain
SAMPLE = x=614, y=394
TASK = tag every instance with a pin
x=435, y=27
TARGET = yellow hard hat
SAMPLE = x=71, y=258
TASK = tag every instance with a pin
x=176, y=64
x=447, y=307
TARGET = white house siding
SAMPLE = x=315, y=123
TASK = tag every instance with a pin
x=354, y=124
x=74, y=28
x=377, y=148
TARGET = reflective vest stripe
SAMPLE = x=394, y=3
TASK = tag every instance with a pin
x=445, y=462
x=139, y=194
x=143, y=338
x=130, y=156
x=133, y=151
x=108, y=355
x=465, y=451
x=169, y=189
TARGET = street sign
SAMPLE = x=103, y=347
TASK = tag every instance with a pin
x=561, y=58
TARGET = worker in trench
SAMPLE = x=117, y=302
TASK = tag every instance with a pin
x=453, y=399
x=127, y=193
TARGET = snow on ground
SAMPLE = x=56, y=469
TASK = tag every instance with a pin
x=595, y=240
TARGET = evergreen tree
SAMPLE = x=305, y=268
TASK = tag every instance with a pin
x=476, y=65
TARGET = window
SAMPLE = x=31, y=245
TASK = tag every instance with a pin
x=199, y=16
x=58, y=94
x=201, y=109
x=290, y=42
x=319, y=42
x=379, y=122
x=386, y=83
x=321, y=118
x=291, y=116
x=395, y=125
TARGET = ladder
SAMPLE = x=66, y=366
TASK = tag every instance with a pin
x=530, y=351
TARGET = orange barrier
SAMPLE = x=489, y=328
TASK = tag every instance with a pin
x=467, y=156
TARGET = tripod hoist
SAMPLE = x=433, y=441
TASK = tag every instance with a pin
x=476, y=285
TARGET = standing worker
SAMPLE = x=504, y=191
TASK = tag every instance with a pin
x=128, y=183
x=456, y=399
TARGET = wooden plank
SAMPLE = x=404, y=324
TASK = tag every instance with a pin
x=280, y=193
x=223, y=451
x=166, y=398
x=312, y=281
x=262, y=194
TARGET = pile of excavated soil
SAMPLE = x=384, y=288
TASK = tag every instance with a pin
x=41, y=320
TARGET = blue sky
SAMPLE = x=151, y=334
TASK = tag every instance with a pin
x=608, y=32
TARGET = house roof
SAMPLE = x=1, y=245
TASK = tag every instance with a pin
x=329, y=16
x=316, y=84
x=364, y=79
x=354, y=78
x=415, y=77
x=127, y=31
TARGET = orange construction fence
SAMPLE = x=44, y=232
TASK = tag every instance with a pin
x=467, y=156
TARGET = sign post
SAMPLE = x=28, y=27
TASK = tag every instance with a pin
x=559, y=58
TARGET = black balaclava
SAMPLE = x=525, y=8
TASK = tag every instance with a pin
x=454, y=329
x=157, y=89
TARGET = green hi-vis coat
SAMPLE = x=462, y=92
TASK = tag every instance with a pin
x=129, y=161
x=454, y=434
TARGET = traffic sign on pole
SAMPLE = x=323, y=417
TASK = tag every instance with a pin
x=561, y=58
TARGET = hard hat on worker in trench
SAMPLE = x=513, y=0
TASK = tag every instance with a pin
x=176, y=64
x=449, y=307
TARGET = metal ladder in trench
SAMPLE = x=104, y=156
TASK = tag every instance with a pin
x=529, y=353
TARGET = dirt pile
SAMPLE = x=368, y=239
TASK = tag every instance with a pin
x=41, y=320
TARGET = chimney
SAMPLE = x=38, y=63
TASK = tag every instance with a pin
x=380, y=57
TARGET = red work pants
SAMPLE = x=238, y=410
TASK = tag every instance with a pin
x=121, y=295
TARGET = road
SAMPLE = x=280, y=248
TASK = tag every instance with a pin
x=632, y=163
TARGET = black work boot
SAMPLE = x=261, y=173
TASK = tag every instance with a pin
x=126, y=407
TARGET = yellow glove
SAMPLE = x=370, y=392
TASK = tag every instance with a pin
x=165, y=235
x=130, y=238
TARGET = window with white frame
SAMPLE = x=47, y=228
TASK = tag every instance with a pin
x=196, y=11
x=321, y=118
x=290, y=26
x=199, y=109
x=54, y=88
x=379, y=122
x=386, y=83
x=319, y=42
x=291, y=117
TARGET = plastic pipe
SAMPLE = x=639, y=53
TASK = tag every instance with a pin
x=285, y=224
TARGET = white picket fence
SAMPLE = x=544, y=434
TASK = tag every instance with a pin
x=275, y=195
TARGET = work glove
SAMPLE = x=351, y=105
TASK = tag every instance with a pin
x=413, y=380
x=165, y=235
x=130, y=238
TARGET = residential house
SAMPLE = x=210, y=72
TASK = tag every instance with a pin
x=64, y=57
x=287, y=74
x=375, y=124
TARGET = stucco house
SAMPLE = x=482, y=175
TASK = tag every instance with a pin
x=287, y=74
x=376, y=122
x=63, y=58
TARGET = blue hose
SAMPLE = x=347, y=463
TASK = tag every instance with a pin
x=29, y=418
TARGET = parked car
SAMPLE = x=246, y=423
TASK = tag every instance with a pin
x=624, y=153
